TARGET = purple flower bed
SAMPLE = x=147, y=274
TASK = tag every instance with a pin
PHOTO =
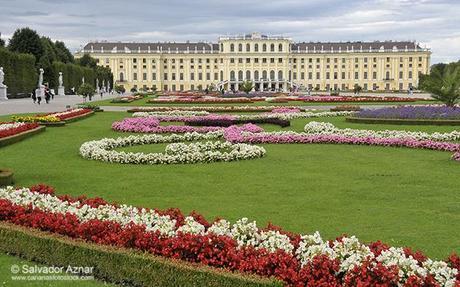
x=412, y=112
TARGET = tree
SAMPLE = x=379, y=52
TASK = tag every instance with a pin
x=443, y=83
x=247, y=86
x=26, y=40
x=62, y=53
x=357, y=89
x=133, y=90
x=120, y=89
x=87, y=61
x=86, y=90
x=2, y=42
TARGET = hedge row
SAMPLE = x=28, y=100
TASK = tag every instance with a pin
x=117, y=265
x=20, y=73
x=403, y=121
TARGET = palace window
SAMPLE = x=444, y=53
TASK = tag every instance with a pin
x=374, y=75
x=365, y=75
x=144, y=76
x=134, y=60
x=208, y=76
x=401, y=74
x=272, y=48
x=248, y=48
x=154, y=76
x=272, y=60
x=240, y=47
x=232, y=75
x=221, y=47
x=318, y=75
x=192, y=76
x=328, y=60
x=181, y=76
x=272, y=75
x=248, y=60
x=280, y=48
x=173, y=76
x=302, y=75
x=356, y=75
x=216, y=76
x=280, y=60
x=256, y=47
x=343, y=75
x=264, y=60
x=248, y=75
x=122, y=77
x=200, y=76
x=328, y=75
x=240, y=60
x=240, y=75
x=165, y=76
x=294, y=76
x=232, y=47
x=310, y=75
x=232, y=60
x=410, y=74
x=256, y=60
x=264, y=48
x=135, y=76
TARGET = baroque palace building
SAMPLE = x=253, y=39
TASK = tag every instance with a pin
x=270, y=62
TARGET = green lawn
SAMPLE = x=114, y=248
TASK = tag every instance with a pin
x=143, y=102
x=402, y=196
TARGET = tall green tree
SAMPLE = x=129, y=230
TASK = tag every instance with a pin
x=2, y=42
x=87, y=61
x=26, y=40
x=62, y=53
x=443, y=83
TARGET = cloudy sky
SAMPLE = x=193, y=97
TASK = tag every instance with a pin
x=434, y=23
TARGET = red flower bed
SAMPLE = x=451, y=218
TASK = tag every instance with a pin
x=17, y=130
x=215, y=250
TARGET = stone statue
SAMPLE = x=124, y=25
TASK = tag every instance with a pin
x=2, y=77
x=83, y=80
x=3, y=87
x=103, y=86
x=61, y=89
x=40, y=78
x=97, y=86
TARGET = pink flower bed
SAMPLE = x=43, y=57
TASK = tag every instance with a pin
x=236, y=135
x=152, y=125
x=286, y=110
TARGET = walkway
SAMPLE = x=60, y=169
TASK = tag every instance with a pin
x=60, y=103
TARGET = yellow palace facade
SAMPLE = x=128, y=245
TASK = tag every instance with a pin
x=270, y=62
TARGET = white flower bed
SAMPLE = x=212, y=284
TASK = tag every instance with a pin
x=11, y=125
x=349, y=251
x=176, y=152
x=65, y=113
x=330, y=129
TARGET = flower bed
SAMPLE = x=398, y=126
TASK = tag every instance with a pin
x=198, y=100
x=412, y=112
x=175, y=152
x=127, y=99
x=57, y=118
x=361, y=99
x=8, y=129
x=330, y=129
x=297, y=260
x=403, y=121
x=211, y=109
x=235, y=135
x=346, y=108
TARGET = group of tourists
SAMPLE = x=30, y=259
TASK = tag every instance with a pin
x=48, y=95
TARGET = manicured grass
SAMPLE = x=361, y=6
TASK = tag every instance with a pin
x=143, y=102
x=402, y=196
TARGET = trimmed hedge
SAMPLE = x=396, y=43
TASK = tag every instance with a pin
x=118, y=265
x=403, y=121
x=72, y=76
x=21, y=76
x=6, y=177
x=15, y=138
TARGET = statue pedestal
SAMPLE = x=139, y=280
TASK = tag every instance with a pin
x=61, y=91
x=3, y=96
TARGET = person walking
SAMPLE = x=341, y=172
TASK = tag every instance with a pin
x=47, y=94
x=34, y=97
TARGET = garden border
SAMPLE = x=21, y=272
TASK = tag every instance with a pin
x=18, y=137
x=403, y=121
x=115, y=264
